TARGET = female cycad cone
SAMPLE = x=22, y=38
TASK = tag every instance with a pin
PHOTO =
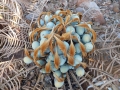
x=62, y=41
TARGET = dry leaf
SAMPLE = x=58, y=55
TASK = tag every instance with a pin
x=60, y=28
x=59, y=79
x=66, y=36
x=56, y=60
x=36, y=53
x=80, y=15
x=70, y=59
x=81, y=63
x=90, y=59
x=35, y=56
x=45, y=45
x=27, y=54
x=89, y=23
x=61, y=45
x=56, y=28
x=69, y=12
x=47, y=36
x=73, y=20
x=84, y=64
x=24, y=3
x=58, y=36
x=47, y=67
x=58, y=18
x=63, y=12
x=72, y=49
x=115, y=87
x=51, y=46
x=43, y=13
x=82, y=47
x=67, y=19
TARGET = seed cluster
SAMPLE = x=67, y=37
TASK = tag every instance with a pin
x=59, y=43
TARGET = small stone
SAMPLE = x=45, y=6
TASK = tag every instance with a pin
x=79, y=9
x=116, y=7
x=28, y=83
x=33, y=81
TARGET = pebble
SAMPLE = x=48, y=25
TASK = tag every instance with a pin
x=116, y=7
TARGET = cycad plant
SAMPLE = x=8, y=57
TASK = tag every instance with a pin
x=60, y=42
